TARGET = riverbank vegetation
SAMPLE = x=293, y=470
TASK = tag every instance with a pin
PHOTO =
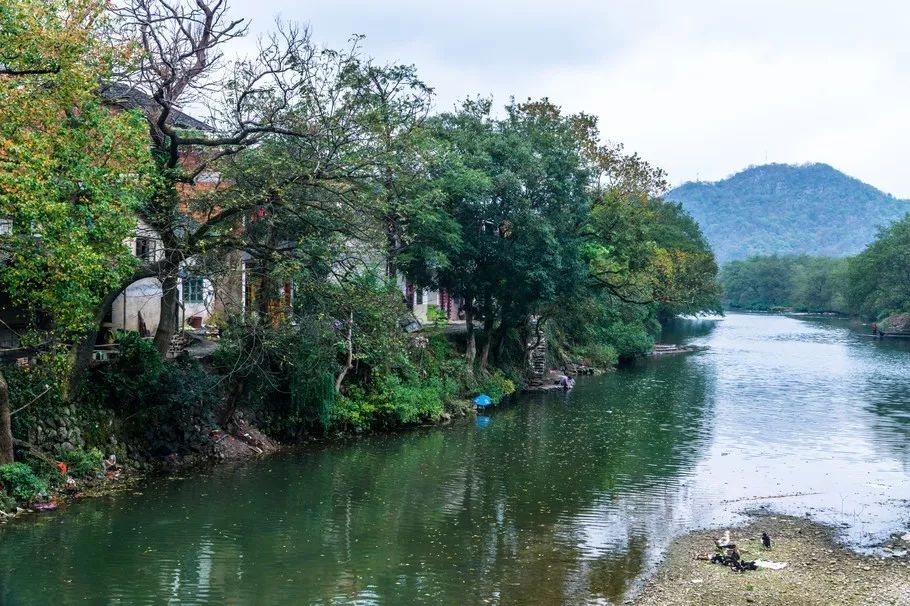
x=333, y=180
x=873, y=284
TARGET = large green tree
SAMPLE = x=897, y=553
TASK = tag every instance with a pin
x=879, y=277
x=546, y=215
x=514, y=190
x=72, y=172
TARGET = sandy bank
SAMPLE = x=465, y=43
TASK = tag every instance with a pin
x=819, y=572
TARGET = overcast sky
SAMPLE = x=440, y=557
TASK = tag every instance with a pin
x=701, y=88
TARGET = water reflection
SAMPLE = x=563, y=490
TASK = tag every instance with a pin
x=557, y=499
x=681, y=329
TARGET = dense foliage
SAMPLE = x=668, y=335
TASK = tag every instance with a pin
x=166, y=407
x=71, y=171
x=788, y=210
x=326, y=177
x=879, y=277
x=873, y=284
x=20, y=482
x=547, y=221
x=802, y=283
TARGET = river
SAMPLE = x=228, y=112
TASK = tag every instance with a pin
x=553, y=499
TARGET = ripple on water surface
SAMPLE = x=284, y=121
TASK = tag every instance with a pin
x=560, y=498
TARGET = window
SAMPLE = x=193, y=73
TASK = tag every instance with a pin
x=6, y=226
x=145, y=248
x=192, y=290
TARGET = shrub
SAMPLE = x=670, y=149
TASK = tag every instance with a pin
x=20, y=482
x=599, y=355
x=394, y=401
x=287, y=373
x=402, y=402
x=350, y=414
x=629, y=339
x=167, y=405
x=83, y=463
x=432, y=354
x=436, y=316
x=7, y=503
x=496, y=385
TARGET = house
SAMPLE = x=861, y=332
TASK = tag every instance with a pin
x=138, y=307
x=122, y=97
x=424, y=301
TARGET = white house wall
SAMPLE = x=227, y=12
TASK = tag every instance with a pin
x=144, y=296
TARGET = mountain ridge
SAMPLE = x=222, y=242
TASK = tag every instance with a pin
x=788, y=209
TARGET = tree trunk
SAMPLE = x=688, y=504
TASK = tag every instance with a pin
x=81, y=356
x=500, y=340
x=349, y=362
x=264, y=294
x=167, y=323
x=230, y=405
x=393, y=244
x=488, y=339
x=471, y=347
x=6, y=427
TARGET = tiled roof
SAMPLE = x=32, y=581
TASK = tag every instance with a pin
x=131, y=98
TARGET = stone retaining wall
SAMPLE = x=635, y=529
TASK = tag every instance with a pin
x=61, y=431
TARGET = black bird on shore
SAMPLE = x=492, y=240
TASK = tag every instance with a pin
x=765, y=540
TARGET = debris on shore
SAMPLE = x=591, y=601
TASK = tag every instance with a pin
x=819, y=572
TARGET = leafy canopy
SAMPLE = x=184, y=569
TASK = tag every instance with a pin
x=71, y=170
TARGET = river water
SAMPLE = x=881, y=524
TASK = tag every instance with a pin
x=553, y=499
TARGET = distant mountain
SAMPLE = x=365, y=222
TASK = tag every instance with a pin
x=786, y=209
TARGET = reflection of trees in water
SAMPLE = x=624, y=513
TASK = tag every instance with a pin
x=677, y=330
x=119, y=550
x=888, y=399
x=555, y=500
x=879, y=381
x=502, y=508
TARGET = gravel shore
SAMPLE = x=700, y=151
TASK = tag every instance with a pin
x=819, y=572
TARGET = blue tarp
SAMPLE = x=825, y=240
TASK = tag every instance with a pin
x=482, y=400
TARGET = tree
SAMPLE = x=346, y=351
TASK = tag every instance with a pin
x=71, y=171
x=180, y=64
x=395, y=103
x=339, y=124
x=515, y=189
x=545, y=215
x=879, y=277
x=6, y=433
x=313, y=192
x=801, y=282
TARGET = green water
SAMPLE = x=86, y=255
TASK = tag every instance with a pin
x=557, y=499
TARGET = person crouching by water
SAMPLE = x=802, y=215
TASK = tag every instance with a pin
x=876, y=331
x=566, y=382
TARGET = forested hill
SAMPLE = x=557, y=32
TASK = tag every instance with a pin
x=786, y=209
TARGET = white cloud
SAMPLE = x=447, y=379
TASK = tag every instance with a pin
x=698, y=87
